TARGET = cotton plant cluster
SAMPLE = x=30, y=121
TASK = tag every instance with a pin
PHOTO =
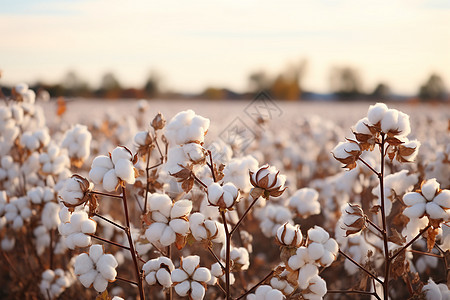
x=171, y=190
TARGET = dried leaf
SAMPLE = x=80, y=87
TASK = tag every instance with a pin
x=180, y=242
x=398, y=265
x=397, y=238
x=431, y=237
x=103, y=296
x=375, y=209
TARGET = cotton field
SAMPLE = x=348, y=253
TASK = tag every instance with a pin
x=256, y=200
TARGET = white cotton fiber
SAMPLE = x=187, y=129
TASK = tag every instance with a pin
x=376, y=113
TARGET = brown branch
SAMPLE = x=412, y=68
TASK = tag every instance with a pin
x=108, y=241
x=110, y=221
x=360, y=266
x=244, y=215
x=410, y=242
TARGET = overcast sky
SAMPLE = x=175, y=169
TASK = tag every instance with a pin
x=197, y=43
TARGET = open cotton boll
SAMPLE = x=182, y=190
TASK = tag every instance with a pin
x=266, y=292
x=125, y=170
x=194, y=152
x=343, y=149
x=389, y=122
x=306, y=273
x=317, y=288
x=50, y=217
x=376, y=113
x=306, y=202
x=161, y=203
x=179, y=275
x=186, y=127
x=182, y=288
x=361, y=126
x=106, y=265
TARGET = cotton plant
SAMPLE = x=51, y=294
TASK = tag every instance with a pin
x=167, y=221
x=18, y=211
x=190, y=279
x=204, y=230
x=272, y=217
x=77, y=141
x=54, y=282
x=77, y=228
x=305, y=202
x=96, y=268
x=158, y=271
x=114, y=170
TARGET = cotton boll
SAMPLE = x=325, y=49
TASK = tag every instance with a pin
x=106, y=265
x=305, y=274
x=160, y=202
x=124, y=170
x=376, y=113
x=120, y=153
x=110, y=181
x=155, y=231
x=435, y=211
x=50, y=217
x=83, y=264
x=415, y=211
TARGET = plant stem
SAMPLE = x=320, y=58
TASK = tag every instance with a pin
x=109, y=242
x=387, y=260
x=410, y=242
x=110, y=221
x=51, y=247
x=256, y=285
x=126, y=280
x=374, y=225
x=105, y=194
x=147, y=175
x=350, y=292
x=216, y=258
x=360, y=266
x=211, y=166
x=130, y=242
x=369, y=166
x=169, y=294
x=227, y=258
x=244, y=215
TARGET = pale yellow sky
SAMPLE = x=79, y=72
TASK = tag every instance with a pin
x=209, y=42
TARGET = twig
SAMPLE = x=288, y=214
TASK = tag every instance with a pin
x=216, y=258
x=374, y=225
x=211, y=166
x=109, y=221
x=410, y=242
x=126, y=280
x=227, y=256
x=109, y=242
x=130, y=242
x=369, y=166
x=360, y=266
x=105, y=194
x=350, y=292
x=244, y=215
x=199, y=181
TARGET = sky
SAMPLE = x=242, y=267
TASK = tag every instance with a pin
x=199, y=43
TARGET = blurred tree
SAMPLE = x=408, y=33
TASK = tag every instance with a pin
x=110, y=86
x=346, y=82
x=382, y=91
x=433, y=89
x=152, y=85
x=288, y=85
x=72, y=86
x=212, y=93
x=258, y=81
